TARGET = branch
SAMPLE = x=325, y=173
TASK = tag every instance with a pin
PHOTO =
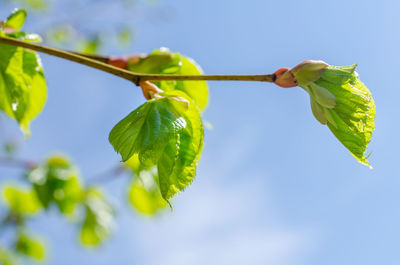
x=14, y=162
x=131, y=76
x=107, y=175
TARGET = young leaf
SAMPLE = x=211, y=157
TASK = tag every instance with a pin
x=352, y=119
x=340, y=100
x=30, y=247
x=22, y=85
x=167, y=133
x=165, y=62
x=57, y=181
x=15, y=20
x=147, y=130
x=21, y=201
x=178, y=162
x=99, y=220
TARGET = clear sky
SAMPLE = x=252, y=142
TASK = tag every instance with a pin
x=273, y=186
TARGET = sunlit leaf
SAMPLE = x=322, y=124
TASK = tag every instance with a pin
x=147, y=129
x=16, y=20
x=340, y=100
x=22, y=85
x=167, y=133
x=165, y=62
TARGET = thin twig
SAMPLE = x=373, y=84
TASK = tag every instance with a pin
x=131, y=76
x=15, y=162
x=107, y=175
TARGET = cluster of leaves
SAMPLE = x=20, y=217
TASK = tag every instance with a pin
x=53, y=185
x=160, y=142
x=165, y=133
x=341, y=101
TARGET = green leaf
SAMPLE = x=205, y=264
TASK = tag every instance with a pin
x=166, y=132
x=30, y=247
x=57, y=181
x=351, y=119
x=165, y=62
x=99, y=220
x=22, y=85
x=16, y=20
x=144, y=193
x=178, y=163
x=147, y=129
x=21, y=201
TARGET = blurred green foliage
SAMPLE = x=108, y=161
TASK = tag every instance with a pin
x=98, y=223
x=29, y=246
x=57, y=181
x=21, y=201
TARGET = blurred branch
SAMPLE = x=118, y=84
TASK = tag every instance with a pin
x=15, y=162
x=107, y=175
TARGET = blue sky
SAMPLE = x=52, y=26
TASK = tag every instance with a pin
x=273, y=185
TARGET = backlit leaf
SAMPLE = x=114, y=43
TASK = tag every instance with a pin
x=165, y=62
x=340, y=100
x=15, y=20
x=167, y=133
x=22, y=85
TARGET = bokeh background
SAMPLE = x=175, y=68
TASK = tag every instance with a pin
x=273, y=185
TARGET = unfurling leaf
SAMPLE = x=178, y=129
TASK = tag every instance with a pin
x=352, y=119
x=165, y=62
x=57, y=181
x=22, y=83
x=30, y=247
x=166, y=133
x=341, y=101
x=99, y=220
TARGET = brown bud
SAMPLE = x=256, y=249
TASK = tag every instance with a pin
x=120, y=62
x=284, y=78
